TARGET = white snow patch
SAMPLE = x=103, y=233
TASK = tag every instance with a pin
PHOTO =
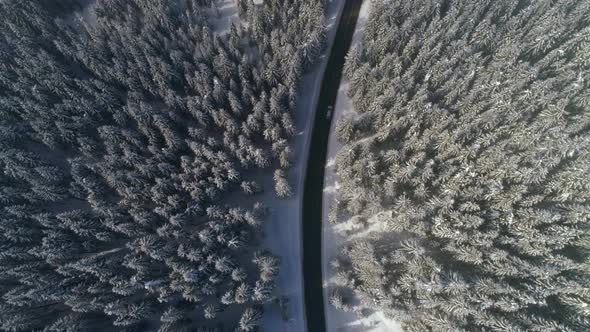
x=335, y=235
x=88, y=14
x=331, y=162
x=330, y=189
x=355, y=230
x=224, y=13
x=85, y=17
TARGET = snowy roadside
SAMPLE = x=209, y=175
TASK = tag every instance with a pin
x=332, y=237
x=283, y=227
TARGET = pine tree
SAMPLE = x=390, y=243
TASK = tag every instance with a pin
x=282, y=187
x=250, y=319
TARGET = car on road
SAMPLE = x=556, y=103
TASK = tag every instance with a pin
x=329, y=112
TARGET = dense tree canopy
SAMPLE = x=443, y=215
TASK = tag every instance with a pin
x=470, y=156
x=123, y=124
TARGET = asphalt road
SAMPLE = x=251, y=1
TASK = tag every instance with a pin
x=314, y=177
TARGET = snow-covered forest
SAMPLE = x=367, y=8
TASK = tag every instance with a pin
x=124, y=125
x=464, y=178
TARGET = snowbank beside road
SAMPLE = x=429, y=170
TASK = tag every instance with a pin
x=333, y=237
x=283, y=227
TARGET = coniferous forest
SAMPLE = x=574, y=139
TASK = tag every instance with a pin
x=124, y=124
x=469, y=155
x=133, y=136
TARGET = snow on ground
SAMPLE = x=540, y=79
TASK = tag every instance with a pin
x=283, y=227
x=86, y=16
x=335, y=236
x=224, y=13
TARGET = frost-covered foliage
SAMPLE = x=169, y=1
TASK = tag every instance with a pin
x=471, y=149
x=120, y=136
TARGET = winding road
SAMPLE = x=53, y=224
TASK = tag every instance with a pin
x=314, y=177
